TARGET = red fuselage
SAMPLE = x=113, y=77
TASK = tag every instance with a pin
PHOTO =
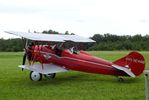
x=81, y=61
x=74, y=61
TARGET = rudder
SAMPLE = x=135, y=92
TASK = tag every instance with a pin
x=134, y=61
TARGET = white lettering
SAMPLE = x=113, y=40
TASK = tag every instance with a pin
x=135, y=60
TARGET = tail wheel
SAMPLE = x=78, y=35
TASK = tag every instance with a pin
x=50, y=75
x=120, y=79
x=35, y=76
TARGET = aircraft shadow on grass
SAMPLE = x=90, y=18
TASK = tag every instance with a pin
x=82, y=78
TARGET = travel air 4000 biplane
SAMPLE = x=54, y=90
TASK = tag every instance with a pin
x=46, y=59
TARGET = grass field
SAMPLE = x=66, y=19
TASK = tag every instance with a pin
x=16, y=85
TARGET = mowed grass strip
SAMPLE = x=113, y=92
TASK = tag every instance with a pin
x=16, y=85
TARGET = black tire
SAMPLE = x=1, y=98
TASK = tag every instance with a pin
x=50, y=75
x=35, y=76
x=120, y=79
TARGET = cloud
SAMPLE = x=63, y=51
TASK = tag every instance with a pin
x=19, y=9
x=144, y=21
x=77, y=16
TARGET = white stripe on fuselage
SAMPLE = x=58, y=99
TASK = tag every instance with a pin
x=51, y=54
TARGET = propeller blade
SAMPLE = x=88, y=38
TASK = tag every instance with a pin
x=25, y=51
x=24, y=59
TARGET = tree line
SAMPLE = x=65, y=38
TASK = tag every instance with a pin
x=103, y=42
x=11, y=45
x=125, y=42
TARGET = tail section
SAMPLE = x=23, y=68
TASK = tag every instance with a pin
x=134, y=63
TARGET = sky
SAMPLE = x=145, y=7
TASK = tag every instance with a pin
x=82, y=17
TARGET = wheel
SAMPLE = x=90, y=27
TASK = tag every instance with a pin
x=50, y=75
x=120, y=79
x=35, y=76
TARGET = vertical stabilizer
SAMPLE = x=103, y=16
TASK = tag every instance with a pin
x=134, y=61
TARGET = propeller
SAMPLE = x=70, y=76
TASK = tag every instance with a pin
x=24, y=58
x=25, y=53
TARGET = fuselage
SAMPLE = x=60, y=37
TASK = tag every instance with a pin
x=81, y=61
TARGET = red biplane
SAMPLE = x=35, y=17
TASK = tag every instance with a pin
x=54, y=58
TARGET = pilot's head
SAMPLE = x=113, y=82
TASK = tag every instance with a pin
x=30, y=45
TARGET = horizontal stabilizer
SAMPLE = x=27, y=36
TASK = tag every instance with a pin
x=125, y=69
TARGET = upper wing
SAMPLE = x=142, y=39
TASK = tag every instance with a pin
x=76, y=38
x=38, y=37
x=50, y=37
